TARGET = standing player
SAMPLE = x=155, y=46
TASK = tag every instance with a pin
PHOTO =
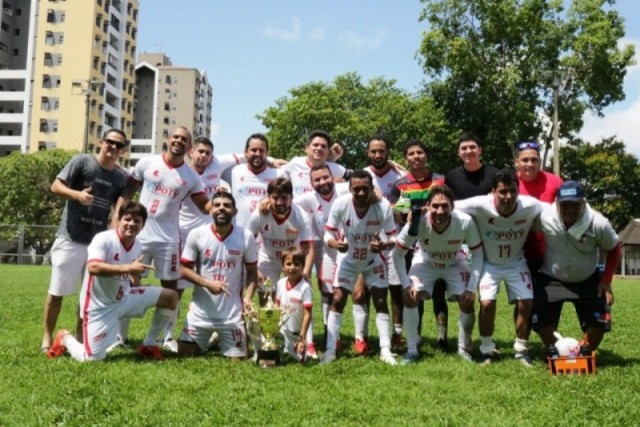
x=91, y=185
x=473, y=178
x=441, y=236
x=111, y=291
x=504, y=220
x=353, y=228
x=221, y=249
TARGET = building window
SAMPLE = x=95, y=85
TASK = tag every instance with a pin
x=62, y=17
x=56, y=105
x=49, y=38
x=16, y=32
x=59, y=60
x=44, y=125
x=51, y=16
x=167, y=107
x=46, y=81
x=58, y=82
x=48, y=60
x=44, y=104
x=61, y=39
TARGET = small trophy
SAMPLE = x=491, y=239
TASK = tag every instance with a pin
x=269, y=320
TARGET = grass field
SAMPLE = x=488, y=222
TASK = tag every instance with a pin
x=439, y=390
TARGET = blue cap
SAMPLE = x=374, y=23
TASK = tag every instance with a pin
x=570, y=191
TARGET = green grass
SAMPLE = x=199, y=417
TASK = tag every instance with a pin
x=439, y=390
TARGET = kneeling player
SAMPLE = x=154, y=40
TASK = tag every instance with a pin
x=108, y=295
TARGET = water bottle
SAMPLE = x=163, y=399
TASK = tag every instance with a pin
x=416, y=213
x=606, y=318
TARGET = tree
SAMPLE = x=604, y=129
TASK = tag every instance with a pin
x=611, y=177
x=352, y=111
x=25, y=181
x=489, y=63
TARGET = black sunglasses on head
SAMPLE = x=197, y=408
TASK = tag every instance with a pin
x=119, y=145
x=528, y=144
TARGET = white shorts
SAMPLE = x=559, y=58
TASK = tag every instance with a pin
x=290, y=341
x=318, y=252
x=100, y=327
x=165, y=257
x=374, y=274
x=68, y=260
x=185, y=284
x=270, y=269
x=423, y=276
x=327, y=274
x=516, y=277
x=392, y=271
x=233, y=338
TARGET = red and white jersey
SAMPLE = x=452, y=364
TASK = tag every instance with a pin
x=443, y=249
x=223, y=260
x=299, y=170
x=503, y=237
x=249, y=188
x=164, y=188
x=293, y=299
x=104, y=291
x=385, y=182
x=278, y=235
x=317, y=207
x=190, y=216
x=359, y=232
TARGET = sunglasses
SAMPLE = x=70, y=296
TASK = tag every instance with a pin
x=119, y=145
x=528, y=144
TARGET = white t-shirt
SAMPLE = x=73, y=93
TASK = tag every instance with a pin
x=249, y=189
x=164, y=188
x=223, y=260
x=570, y=258
x=280, y=235
x=359, y=231
x=293, y=300
x=104, y=291
x=299, y=171
x=503, y=237
x=385, y=182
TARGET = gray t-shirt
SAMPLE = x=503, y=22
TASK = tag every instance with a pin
x=80, y=223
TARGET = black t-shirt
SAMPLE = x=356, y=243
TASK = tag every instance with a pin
x=465, y=184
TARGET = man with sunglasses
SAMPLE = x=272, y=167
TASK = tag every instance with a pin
x=91, y=184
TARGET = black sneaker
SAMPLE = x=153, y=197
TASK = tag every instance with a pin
x=442, y=345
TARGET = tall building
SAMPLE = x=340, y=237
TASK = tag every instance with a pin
x=67, y=72
x=168, y=96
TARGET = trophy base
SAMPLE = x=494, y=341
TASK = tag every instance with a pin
x=268, y=358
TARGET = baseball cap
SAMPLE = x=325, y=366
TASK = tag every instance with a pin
x=570, y=191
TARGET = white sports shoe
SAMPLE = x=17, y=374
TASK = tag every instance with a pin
x=214, y=341
x=120, y=343
x=328, y=357
x=387, y=357
x=170, y=345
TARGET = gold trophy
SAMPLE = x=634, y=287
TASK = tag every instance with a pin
x=269, y=321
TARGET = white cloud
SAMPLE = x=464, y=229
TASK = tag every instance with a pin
x=284, y=34
x=359, y=43
x=317, y=34
x=215, y=130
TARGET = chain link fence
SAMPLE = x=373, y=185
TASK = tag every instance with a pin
x=26, y=244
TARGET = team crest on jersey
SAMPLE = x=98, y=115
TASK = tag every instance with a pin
x=492, y=220
x=156, y=173
x=208, y=253
x=116, y=257
x=426, y=241
x=348, y=223
x=266, y=227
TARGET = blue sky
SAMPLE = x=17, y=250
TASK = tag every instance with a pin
x=255, y=51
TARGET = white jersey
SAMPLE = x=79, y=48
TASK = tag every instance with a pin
x=222, y=260
x=385, y=182
x=293, y=299
x=249, y=188
x=278, y=235
x=164, y=188
x=503, y=237
x=299, y=171
x=359, y=231
x=572, y=255
x=190, y=216
x=103, y=291
x=317, y=207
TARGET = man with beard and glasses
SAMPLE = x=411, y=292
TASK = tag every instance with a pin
x=221, y=250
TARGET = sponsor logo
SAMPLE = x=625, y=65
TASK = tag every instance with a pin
x=373, y=222
x=137, y=291
x=100, y=337
x=521, y=221
x=291, y=231
x=163, y=190
x=454, y=242
x=234, y=252
x=506, y=234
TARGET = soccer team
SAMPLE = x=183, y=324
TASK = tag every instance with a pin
x=226, y=224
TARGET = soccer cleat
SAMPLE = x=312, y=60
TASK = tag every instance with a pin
x=465, y=355
x=360, y=347
x=120, y=343
x=328, y=357
x=409, y=358
x=171, y=346
x=487, y=358
x=524, y=358
x=311, y=351
x=442, y=344
x=150, y=352
x=397, y=342
x=387, y=357
x=57, y=349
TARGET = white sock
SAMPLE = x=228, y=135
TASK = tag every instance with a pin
x=325, y=308
x=382, y=324
x=74, y=348
x=124, y=328
x=411, y=318
x=521, y=346
x=465, y=329
x=171, y=326
x=310, y=332
x=160, y=319
x=334, y=323
x=359, y=320
x=397, y=328
x=487, y=346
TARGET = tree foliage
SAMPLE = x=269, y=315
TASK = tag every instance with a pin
x=486, y=60
x=25, y=181
x=611, y=177
x=352, y=111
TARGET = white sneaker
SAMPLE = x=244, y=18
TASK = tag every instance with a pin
x=214, y=341
x=254, y=358
x=120, y=343
x=328, y=357
x=170, y=345
x=387, y=357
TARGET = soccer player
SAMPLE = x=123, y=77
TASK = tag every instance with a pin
x=166, y=181
x=221, y=249
x=504, y=219
x=575, y=235
x=473, y=178
x=111, y=291
x=413, y=189
x=354, y=228
x=91, y=184
x=441, y=235
x=295, y=298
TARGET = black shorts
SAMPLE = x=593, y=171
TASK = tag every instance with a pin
x=550, y=294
